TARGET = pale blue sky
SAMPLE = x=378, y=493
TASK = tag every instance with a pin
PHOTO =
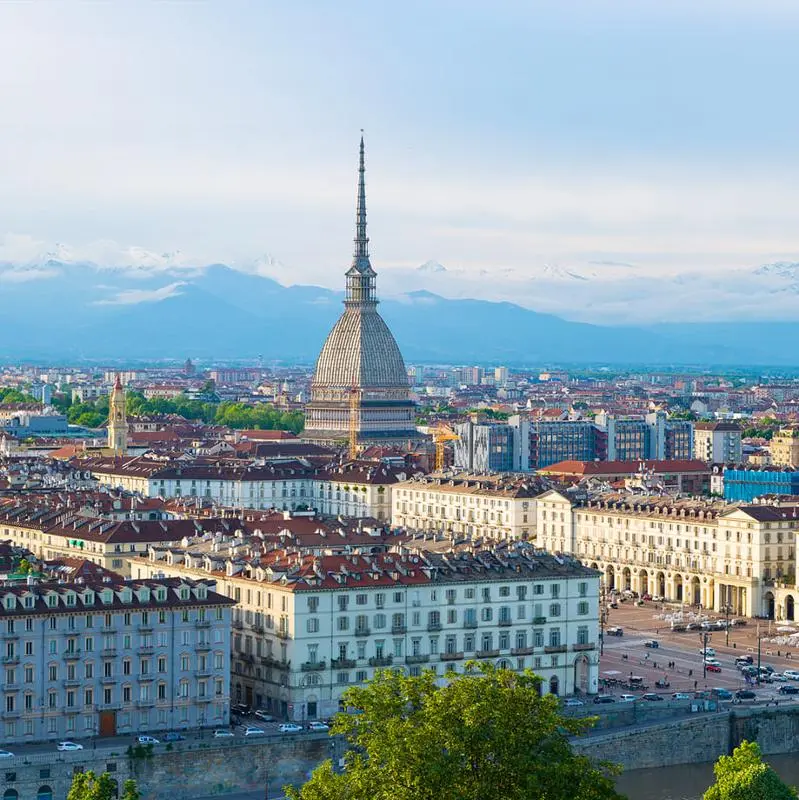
x=500, y=134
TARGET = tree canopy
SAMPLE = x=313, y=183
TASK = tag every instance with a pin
x=89, y=786
x=486, y=734
x=744, y=776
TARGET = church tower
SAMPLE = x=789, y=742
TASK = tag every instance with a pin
x=117, y=420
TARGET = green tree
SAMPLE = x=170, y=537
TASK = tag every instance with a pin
x=130, y=791
x=88, y=786
x=486, y=734
x=744, y=776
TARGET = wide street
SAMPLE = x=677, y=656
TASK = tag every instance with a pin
x=627, y=654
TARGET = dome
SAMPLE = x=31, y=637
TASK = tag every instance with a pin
x=360, y=351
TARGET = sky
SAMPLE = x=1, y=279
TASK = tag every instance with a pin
x=502, y=136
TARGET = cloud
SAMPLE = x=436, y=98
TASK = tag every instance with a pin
x=26, y=275
x=131, y=297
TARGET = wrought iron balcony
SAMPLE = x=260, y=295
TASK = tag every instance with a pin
x=342, y=663
x=486, y=654
x=381, y=661
x=313, y=666
x=451, y=656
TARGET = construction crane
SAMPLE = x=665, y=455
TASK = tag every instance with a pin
x=441, y=435
x=355, y=404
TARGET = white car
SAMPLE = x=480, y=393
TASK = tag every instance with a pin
x=318, y=726
x=709, y=652
x=570, y=702
x=778, y=677
x=67, y=746
x=6, y=754
x=681, y=696
x=791, y=674
x=147, y=740
x=222, y=733
x=627, y=698
x=712, y=662
x=289, y=727
x=264, y=716
x=252, y=730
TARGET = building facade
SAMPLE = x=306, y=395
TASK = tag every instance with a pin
x=742, y=484
x=107, y=658
x=695, y=552
x=117, y=420
x=360, y=387
x=499, y=508
x=784, y=448
x=718, y=442
x=309, y=627
x=484, y=447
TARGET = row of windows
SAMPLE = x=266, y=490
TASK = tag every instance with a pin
x=111, y=621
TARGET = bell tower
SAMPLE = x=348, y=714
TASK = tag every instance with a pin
x=117, y=420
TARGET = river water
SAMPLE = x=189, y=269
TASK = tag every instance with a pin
x=688, y=782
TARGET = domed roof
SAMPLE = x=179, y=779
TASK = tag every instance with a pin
x=360, y=352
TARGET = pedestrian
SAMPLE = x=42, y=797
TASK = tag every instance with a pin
x=696, y=683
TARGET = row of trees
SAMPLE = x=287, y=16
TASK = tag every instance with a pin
x=93, y=414
x=89, y=786
x=487, y=735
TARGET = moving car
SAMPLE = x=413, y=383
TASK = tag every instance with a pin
x=713, y=668
x=572, y=702
x=791, y=674
x=615, y=631
x=252, y=730
x=789, y=688
x=745, y=694
x=714, y=661
x=147, y=740
x=742, y=660
x=652, y=697
x=627, y=698
x=174, y=737
x=289, y=727
x=222, y=733
x=264, y=716
x=242, y=709
x=65, y=747
x=653, y=643
x=604, y=698
x=318, y=726
x=721, y=693
x=681, y=696
x=777, y=677
x=6, y=754
x=710, y=652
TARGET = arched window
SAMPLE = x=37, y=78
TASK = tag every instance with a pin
x=11, y=794
x=44, y=793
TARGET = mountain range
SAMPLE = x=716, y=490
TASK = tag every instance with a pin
x=160, y=306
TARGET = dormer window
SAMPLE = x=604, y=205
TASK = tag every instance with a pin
x=29, y=601
x=88, y=599
x=184, y=594
x=126, y=596
x=69, y=599
x=10, y=602
x=108, y=597
x=202, y=592
x=160, y=595
x=52, y=600
x=144, y=595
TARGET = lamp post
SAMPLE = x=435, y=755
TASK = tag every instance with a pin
x=704, y=636
x=603, y=616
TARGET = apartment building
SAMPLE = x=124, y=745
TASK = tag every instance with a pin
x=357, y=488
x=690, y=551
x=498, y=507
x=111, y=657
x=308, y=626
x=784, y=448
x=718, y=442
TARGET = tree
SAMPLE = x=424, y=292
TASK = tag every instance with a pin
x=129, y=791
x=486, y=734
x=744, y=776
x=87, y=786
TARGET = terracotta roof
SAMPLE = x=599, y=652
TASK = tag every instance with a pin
x=588, y=468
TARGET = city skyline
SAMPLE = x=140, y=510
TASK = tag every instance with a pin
x=529, y=143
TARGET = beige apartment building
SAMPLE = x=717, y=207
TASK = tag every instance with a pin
x=696, y=552
x=785, y=448
x=498, y=507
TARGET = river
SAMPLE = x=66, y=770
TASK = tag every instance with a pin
x=689, y=781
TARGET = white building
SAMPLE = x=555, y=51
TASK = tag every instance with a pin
x=309, y=626
x=718, y=442
x=695, y=552
x=498, y=507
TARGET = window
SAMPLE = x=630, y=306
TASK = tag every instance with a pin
x=582, y=634
x=343, y=623
x=582, y=608
x=582, y=589
x=554, y=589
x=312, y=625
x=554, y=637
x=554, y=609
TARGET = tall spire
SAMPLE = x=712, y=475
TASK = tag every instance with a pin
x=361, y=239
x=361, y=276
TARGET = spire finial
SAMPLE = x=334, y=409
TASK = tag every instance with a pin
x=361, y=239
x=360, y=276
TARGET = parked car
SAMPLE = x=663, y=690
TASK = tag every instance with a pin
x=147, y=740
x=713, y=668
x=740, y=660
x=627, y=698
x=681, y=696
x=789, y=688
x=289, y=727
x=714, y=661
x=264, y=716
x=571, y=702
x=252, y=730
x=66, y=747
x=242, y=709
x=615, y=631
x=745, y=694
x=222, y=733
x=6, y=754
x=721, y=694
x=791, y=674
x=318, y=726
x=652, y=697
x=653, y=643
x=778, y=677
x=174, y=737
x=604, y=698
x=710, y=652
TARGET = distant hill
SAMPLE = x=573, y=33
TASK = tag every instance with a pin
x=68, y=311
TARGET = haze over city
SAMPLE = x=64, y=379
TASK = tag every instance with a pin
x=603, y=161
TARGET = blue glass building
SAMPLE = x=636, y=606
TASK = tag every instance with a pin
x=745, y=485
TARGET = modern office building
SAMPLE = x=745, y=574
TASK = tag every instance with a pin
x=484, y=447
x=112, y=657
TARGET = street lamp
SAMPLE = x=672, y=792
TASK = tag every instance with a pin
x=728, y=608
x=704, y=637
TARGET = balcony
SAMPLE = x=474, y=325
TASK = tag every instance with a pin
x=272, y=661
x=282, y=634
x=70, y=682
x=237, y=624
x=11, y=659
x=504, y=623
x=148, y=703
x=203, y=646
x=313, y=666
x=108, y=679
x=470, y=623
x=206, y=699
x=486, y=654
x=145, y=628
x=71, y=655
x=12, y=714
x=451, y=656
x=521, y=651
x=145, y=678
x=556, y=648
x=145, y=650
x=342, y=663
x=206, y=623
x=381, y=661
x=9, y=637
x=108, y=629
x=108, y=652
x=539, y=620
x=362, y=631
x=587, y=646
x=434, y=626
x=399, y=629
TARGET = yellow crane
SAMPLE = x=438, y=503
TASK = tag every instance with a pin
x=355, y=404
x=441, y=435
